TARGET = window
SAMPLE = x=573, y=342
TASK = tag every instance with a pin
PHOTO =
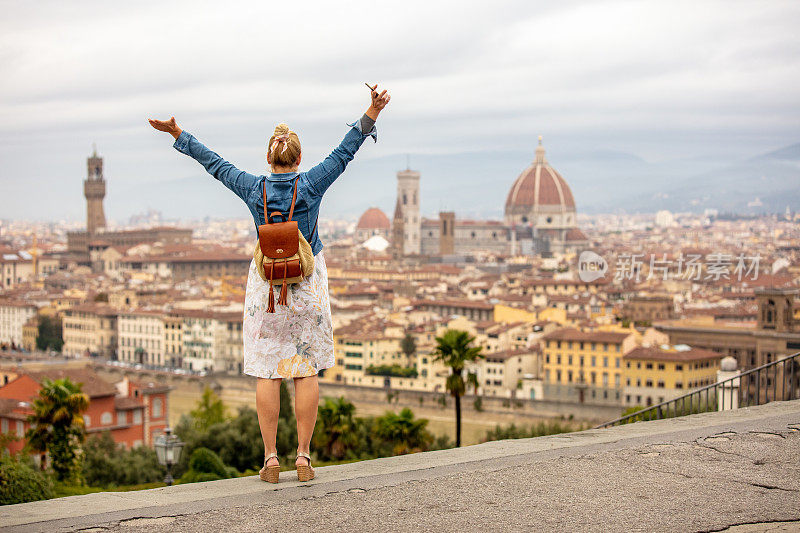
x=157, y=407
x=569, y=376
x=605, y=362
x=4, y=425
x=87, y=421
x=617, y=379
x=661, y=366
x=569, y=360
x=106, y=418
x=648, y=383
x=605, y=379
x=122, y=418
x=660, y=383
x=20, y=428
x=678, y=367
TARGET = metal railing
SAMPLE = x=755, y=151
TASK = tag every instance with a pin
x=776, y=380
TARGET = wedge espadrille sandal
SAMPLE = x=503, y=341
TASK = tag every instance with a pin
x=270, y=473
x=305, y=472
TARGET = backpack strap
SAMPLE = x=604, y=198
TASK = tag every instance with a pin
x=294, y=197
x=291, y=207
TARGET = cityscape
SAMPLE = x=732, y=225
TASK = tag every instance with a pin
x=674, y=294
x=554, y=285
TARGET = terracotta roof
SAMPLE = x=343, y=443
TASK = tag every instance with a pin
x=373, y=218
x=453, y=303
x=572, y=334
x=507, y=354
x=10, y=408
x=96, y=308
x=576, y=234
x=127, y=403
x=93, y=385
x=549, y=189
x=671, y=354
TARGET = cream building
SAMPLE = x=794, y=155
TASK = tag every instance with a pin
x=13, y=316
x=90, y=328
x=140, y=337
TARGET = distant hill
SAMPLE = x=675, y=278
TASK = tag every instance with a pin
x=475, y=184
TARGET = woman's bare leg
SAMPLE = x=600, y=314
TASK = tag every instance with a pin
x=268, y=404
x=306, y=400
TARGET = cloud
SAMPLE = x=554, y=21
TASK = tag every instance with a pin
x=663, y=80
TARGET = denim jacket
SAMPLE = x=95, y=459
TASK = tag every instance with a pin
x=311, y=184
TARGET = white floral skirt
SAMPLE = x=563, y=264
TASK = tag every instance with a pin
x=297, y=339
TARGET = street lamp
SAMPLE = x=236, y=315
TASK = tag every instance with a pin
x=168, y=451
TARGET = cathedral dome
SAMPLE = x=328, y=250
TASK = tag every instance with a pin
x=373, y=218
x=539, y=188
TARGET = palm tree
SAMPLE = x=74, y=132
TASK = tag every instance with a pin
x=409, y=435
x=57, y=425
x=336, y=431
x=455, y=350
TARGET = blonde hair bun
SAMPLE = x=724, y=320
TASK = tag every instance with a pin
x=283, y=147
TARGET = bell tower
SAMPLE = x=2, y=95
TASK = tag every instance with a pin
x=94, y=189
x=408, y=202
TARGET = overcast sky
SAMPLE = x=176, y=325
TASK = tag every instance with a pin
x=661, y=80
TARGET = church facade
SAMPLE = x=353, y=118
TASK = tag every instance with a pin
x=540, y=219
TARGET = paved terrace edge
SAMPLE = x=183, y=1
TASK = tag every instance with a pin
x=77, y=512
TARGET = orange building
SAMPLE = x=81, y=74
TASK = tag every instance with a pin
x=133, y=412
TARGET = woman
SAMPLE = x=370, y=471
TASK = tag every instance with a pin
x=296, y=341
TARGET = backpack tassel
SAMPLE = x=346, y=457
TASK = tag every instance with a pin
x=271, y=306
x=282, y=299
x=284, y=286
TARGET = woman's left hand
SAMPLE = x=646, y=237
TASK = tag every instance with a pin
x=379, y=101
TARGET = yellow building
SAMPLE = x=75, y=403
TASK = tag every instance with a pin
x=173, y=340
x=506, y=314
x=30, y=332
x=657, y=374
x=585, y=366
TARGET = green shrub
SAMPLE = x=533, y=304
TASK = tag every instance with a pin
x=391, y=370
x=205, y=465
x=478, y=404
x=107, y=464
x=21, y=482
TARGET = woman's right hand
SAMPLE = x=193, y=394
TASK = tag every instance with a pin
x=379, y=101
x=169, y=126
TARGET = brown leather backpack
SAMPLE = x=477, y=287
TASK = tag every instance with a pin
x=282, y=254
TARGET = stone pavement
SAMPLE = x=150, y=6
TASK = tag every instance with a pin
x=708, y=472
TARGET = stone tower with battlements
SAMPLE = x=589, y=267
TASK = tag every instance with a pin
x=94, y=189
